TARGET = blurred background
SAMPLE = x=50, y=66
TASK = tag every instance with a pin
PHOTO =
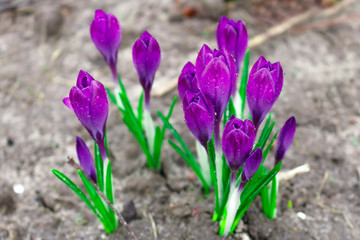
x=44, y=44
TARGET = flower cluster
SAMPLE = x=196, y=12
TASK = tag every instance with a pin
x=231, y=160
x=207, y=90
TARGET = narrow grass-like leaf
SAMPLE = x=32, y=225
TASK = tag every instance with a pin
x=176, y=135
x=159, y=137
x=243, y=83
x=229, y=111
x=249, y=195
x=99, y=165
x=273, y=198
x=212, y=156
x=270, y=145
x=263, y=132
x=193, y=165
x=109, y=192
x=140, y=108
x=264, y=195
x=111, y=96
x=99, y=204
x=76, y=190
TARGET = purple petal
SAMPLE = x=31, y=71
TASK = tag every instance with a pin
x=85, y=158
x=99, y=108
x=257, y=65
x=251, y=165
x=232, y=36
x=215, y=84
x=146, y=57
x=187, y=80
x=105, y=32
x=199, y=116
x=238, y=141
x=204, y=57
x=285, y=139
x=67, y=103
x=81, y=106
x=260, y=95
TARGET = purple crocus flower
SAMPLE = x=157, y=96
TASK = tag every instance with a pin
x=105, y=32
x=88, y=100
x=85, y=158
x=146, y=57
x=251, y=165
x=187, y=80
x=263, y=89
x=285, y=139
x=238, y=140
x=199, y=116
x=233, y=37
x=204, y=60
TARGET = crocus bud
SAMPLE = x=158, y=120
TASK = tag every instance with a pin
x=285, y=139
x=199, y=116
x=105, y=32
x=85, y=158
x=233, y=37
x=251, y=165
x=263, y=89
x=146, y=57
x=238, y=140
x=187, y=80
x=88, y=100
x=215, y=71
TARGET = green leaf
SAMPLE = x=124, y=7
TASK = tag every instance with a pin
x=159, y=137
x=140, y=108
x=212, y=156
x=243, y=83
x=76, y=190
x=99, y=204
x=229, y=111
x=109, y=191
x=99, y=167
x=111, y=96
x=192, y=163
x=270, y=145
x=263, y=132
x=250, y=192
x=176, y=135
x=264, y=195
x=273, y=198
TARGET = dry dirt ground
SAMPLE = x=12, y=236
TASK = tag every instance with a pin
x=44, y=44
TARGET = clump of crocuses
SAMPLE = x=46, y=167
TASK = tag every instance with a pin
x=208, y=92
x=89, y=101
x=106, y=35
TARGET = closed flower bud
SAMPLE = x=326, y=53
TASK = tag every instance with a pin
x=85, y=158
x=88, y=100
x=146, y=57
x=233, y=37
x=187, y=80
x=199, y=116
x=263, y=89
x=285, y=139
x=238, y=140
x=105, y=32
x=216, y=75
x=251, y=165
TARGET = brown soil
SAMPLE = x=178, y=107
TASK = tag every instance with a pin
x=43, y=45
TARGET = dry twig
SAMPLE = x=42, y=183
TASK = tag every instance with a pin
x=77, y=167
